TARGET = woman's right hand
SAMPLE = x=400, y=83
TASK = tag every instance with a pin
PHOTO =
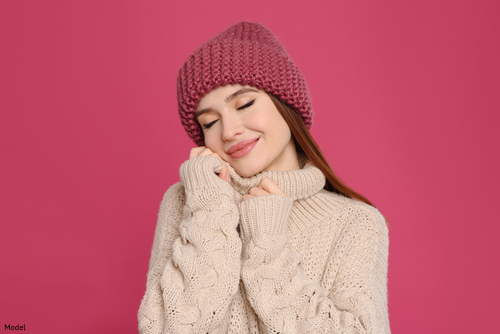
x=203, y=150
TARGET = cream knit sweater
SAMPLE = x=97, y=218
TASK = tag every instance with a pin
x=310, y=262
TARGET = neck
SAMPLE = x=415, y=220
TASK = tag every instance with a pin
x=299, y=183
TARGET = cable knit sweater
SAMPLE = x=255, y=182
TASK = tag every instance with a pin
x=310, y=262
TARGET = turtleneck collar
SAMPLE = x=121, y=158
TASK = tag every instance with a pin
x=297, y=184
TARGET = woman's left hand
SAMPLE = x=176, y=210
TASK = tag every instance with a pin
x=266, y=187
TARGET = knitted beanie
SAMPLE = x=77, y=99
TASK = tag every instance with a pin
x=247, y=54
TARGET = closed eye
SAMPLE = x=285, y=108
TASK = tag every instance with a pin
x=249, y=104
x=207, y=126
x=246, y=105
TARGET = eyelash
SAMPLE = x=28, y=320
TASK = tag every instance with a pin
x=249, y=104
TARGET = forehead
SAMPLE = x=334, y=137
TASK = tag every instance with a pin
x=221, y=94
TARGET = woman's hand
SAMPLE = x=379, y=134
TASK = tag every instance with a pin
x=266, y=187
x=203, y=150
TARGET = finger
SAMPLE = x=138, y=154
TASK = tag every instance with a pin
x=256, y=191
x=224, y=174
x=206, y=151
x=196, y=151
x=215, y=154
x=270, y=186
x=247, y=196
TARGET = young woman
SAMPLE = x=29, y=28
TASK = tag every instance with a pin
x=260, y=236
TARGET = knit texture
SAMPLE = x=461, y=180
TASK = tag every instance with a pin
x=308, y=262
x=247, y=54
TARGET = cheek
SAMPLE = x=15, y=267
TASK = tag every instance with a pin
x=258, y=121
x=212, y=143
x=277, y=126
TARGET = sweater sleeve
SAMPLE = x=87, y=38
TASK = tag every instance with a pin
x=286, y=300
x=190, y=288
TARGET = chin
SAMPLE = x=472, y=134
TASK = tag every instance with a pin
x=248, y=171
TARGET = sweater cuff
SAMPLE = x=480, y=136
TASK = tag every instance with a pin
x=265, y=216
x=199, y=178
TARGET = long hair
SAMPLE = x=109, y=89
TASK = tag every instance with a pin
x=305, y=144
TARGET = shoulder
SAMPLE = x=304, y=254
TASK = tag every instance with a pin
x=171, y=207
x=360, y=233
x=349, y=213
x=169, y=217
x=174, y=190
x=175, y=195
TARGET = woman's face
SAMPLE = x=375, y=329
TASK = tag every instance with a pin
x=242, y=125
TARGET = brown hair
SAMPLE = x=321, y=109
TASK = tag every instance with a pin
x=305, y=144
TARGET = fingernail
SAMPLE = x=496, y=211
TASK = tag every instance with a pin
x=228, y=178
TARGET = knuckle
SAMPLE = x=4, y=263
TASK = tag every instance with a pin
x=267, y=181
x=195, y=151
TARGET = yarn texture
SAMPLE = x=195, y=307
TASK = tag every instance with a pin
x=247, y=54
x=308, y=262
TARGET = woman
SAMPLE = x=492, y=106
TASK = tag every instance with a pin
x=260, y=236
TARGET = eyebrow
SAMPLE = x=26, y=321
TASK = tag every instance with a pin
x=227, y=100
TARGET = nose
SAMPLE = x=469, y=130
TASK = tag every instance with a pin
x=231, y=127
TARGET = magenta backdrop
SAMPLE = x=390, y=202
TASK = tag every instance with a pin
x=407, y=102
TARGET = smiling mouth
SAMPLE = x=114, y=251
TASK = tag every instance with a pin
x=240, y=145
x=244, y=150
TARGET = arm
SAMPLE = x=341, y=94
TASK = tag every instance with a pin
x=190, y=292
x=286, y=300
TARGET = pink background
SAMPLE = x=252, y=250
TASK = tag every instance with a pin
x=406, y=96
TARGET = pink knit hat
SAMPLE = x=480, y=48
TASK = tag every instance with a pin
x=247, y=54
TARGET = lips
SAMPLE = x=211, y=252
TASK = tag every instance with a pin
x=242, y=148
x=240, y=145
